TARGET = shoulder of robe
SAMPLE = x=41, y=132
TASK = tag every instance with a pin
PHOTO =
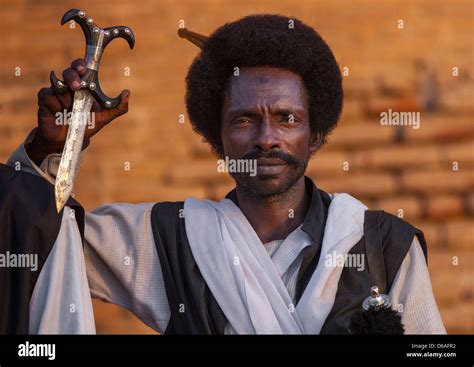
x=168, y=211
x=396, y=230
x=21, y=187
x=167, y=222
x=25, y=193
x=388, y=237
x=27, y=208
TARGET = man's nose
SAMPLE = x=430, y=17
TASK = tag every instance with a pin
x=268, y=137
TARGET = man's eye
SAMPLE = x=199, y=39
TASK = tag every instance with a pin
x=288, y=118
x=242, y=121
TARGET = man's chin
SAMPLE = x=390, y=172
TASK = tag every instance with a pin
x=265, y=185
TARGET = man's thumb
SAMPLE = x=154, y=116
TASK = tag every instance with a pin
x=119, y=110
x=122, y=107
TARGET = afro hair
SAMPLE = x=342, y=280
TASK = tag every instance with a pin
x=263, y=40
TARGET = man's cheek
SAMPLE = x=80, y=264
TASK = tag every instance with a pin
x=233, y=149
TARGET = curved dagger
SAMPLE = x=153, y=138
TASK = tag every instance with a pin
x=96, y=41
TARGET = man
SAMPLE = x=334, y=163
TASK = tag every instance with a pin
x=263, y=260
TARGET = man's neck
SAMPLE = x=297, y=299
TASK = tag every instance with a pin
x=274, y=218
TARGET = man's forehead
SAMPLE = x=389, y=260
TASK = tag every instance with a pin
x=265, y=84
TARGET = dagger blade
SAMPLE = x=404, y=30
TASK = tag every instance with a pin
x=70, y=157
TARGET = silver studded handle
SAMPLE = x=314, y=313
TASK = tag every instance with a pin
x=97, y=40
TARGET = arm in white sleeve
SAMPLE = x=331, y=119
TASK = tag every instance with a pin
x=412, y=291
x=121, y=260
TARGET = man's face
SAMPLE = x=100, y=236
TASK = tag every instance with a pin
x=265, y=117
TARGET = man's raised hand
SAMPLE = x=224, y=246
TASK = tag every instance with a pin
x=51, y=136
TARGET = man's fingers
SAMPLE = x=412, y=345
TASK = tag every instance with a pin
x=122, y=108
x=79, y=65
x=47, y=98
x=65, y=99
x=72, y=79
x=44, y=93
x=44, y=115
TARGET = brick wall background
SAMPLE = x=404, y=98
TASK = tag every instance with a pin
x=424, y=174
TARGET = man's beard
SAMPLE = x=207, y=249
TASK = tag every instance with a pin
x=255, y=186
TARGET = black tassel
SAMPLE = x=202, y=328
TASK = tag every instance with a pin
x=376, y=317
x=382, y=321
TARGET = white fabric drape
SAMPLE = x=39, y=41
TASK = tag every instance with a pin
x=243, y=278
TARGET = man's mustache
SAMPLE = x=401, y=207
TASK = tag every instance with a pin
x=256, y=154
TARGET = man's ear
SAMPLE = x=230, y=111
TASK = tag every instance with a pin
x=316, y=140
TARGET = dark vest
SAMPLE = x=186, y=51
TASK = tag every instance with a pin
x=29, y=224
x=385, y=243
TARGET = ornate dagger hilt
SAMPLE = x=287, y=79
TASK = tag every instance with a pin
x=97, y=40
